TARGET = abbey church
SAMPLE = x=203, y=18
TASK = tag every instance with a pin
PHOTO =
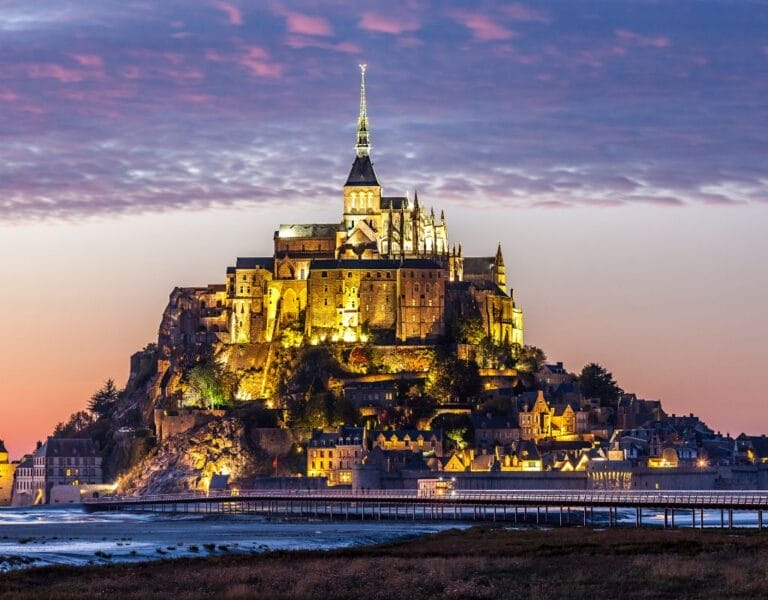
x=386, y=270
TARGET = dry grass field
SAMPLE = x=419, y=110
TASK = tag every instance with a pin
x=476, y=563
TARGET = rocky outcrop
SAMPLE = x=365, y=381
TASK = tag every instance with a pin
x=188, y=461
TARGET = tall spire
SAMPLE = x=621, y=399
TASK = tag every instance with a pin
x=363, y=146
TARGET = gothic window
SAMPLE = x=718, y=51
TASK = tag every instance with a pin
x=428, y=288
x=325, y=302
x=416, y=287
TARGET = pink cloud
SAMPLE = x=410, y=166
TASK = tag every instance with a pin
x=302, y=24
x=257, y=61
x=636, y=39
x=371, y=21
x=300, y=41
x=232, y=12
x=88, y=60
x=7, y=95
x=483, y=27
x=54, y=71
x=520, y=12
x=131, y=72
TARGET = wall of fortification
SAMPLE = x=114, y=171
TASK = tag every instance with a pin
x=168, y=424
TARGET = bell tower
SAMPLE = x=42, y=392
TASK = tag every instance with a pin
x=362, y=192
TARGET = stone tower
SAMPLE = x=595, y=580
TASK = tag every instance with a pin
x=362, y=192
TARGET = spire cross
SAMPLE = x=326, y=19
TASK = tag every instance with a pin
x=363, y=146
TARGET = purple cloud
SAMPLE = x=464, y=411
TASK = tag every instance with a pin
x=193, y=104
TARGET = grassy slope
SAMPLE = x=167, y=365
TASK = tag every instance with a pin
x=477, y=563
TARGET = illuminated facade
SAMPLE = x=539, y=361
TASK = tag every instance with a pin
x=57, y=462
x=334, y=454
x=7, y=470
x=386, y=268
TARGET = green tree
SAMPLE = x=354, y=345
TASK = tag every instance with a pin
x=104, y=401
x=451, y=378
x=343, y=412
x=210, y=385
x=467, y=329
x=597, y=382
x=530, y=359
x=457, y=429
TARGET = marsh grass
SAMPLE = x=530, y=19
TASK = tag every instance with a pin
x=476, y=563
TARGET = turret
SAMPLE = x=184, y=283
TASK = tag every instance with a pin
x=498, y=269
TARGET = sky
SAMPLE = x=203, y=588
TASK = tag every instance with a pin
x=616, y=149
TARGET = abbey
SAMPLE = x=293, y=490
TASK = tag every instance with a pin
x=386, y=269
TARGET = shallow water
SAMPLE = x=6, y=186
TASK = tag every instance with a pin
x=67, y=535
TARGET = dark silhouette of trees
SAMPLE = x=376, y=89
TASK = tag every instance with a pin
x=104, y=400
x=598, y=382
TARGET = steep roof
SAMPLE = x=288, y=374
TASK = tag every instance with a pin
x=478, y=265
x=255, y=262
x=362, y=172
x=2, y=447
x=68, y=447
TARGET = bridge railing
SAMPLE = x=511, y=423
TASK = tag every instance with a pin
x=627, y=498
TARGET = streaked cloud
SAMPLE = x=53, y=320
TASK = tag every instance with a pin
x=231, y=11
x=196, y=104
x=387, y=23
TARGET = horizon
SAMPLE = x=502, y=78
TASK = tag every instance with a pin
x=620, y=165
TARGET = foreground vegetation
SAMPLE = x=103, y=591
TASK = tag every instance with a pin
x=476, y=563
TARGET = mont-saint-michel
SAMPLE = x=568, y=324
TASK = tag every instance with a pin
x=478, y=319
x=369, y=353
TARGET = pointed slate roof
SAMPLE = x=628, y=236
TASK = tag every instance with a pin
x=362, y=172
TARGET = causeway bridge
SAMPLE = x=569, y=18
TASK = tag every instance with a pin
x=545, y=507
